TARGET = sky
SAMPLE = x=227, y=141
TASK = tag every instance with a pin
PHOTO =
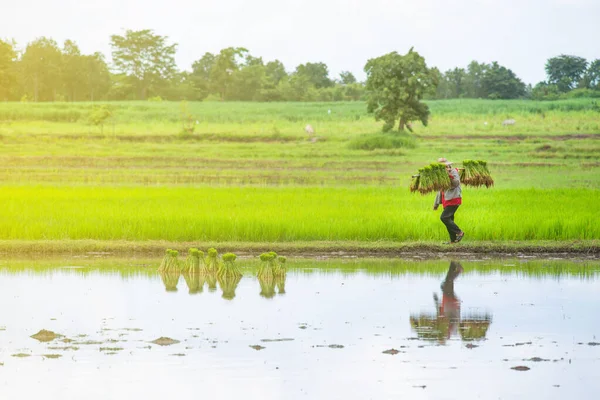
x=344, y=34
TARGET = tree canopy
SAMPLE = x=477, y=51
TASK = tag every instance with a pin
x=395, y=86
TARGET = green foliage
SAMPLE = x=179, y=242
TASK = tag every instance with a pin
x=188, y=122
x=99, y=115
x=395, y=86
x=565, y=71
x=145, y=58
x=383, y=141
x=8, y=70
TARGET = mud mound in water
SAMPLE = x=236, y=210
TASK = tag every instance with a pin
x=164, y=341
x=45, y=336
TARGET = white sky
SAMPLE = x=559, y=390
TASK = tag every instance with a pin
x=519, y=34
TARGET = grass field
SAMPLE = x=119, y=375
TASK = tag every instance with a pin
x=249, y=174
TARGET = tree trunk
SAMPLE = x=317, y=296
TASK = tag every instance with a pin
x=402, y=124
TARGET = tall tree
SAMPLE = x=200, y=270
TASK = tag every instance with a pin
x=144, y=57
x=41, y=67
x=200, y=76
x=347, y=78
x=565, y=71
x=499, y=82
x=8, y=70
x=316, y=73
x=456, y=82
x=275, y=72
x=474, y=80
x=395, y=86
x=227, y=62
x=592, y=75
x=73, y=71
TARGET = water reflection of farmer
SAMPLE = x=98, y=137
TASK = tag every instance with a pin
x=450, y=306
x=447, y=321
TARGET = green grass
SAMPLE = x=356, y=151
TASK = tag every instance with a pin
x=289, y=214
x=249, y=175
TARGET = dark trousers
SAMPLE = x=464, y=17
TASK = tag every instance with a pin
x=447, y=218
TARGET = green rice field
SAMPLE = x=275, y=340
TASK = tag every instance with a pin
x=250, y=173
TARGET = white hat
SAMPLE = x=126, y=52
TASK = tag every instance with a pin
x=444, y=161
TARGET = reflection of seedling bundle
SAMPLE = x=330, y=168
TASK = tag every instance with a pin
x=193, y=282
x=476, y=173
x=434, y=177
x=430, y=326
x=194, y=259
x=474, y=327
x=170, y=280
x=170, y=263
x=228, y=285
x=280, y=275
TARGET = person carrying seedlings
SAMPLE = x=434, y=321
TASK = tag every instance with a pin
x=450, y=200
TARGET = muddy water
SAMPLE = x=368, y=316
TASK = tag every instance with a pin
x=336, y=329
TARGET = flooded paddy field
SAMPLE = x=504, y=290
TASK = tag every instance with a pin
x=353, y=328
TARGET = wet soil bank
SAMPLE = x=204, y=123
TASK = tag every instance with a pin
x=418, y=250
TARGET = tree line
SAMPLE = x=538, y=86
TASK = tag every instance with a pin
x=143, y=67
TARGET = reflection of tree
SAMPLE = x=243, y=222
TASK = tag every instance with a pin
x=447, y=321
x=170, y=280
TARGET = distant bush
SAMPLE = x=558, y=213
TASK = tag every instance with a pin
x=383, y=141
x=581, y=93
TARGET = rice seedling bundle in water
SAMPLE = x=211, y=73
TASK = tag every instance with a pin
x=228, y=269
x=192, y=263
x=476, y=173
x=279, y=267
x=265, y=271
x=170, y=263
x=212, y=262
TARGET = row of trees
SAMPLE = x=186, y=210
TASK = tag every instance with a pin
x=143, y=67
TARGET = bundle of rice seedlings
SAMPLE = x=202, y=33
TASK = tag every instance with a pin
x=228, y=284
x=476, y=173
x=279, y=267
x=170, y=280
x=228, y=269
x=170, y=263
x=431, y=178
x=192, y=263
x=265, y=270
x=414, y=183
x=212, y=262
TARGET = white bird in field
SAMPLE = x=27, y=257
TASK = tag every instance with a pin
x=309, y=129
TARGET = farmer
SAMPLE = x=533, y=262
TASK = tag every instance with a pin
x=450, y=200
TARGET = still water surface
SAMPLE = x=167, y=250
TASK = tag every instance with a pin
x=338, y=329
